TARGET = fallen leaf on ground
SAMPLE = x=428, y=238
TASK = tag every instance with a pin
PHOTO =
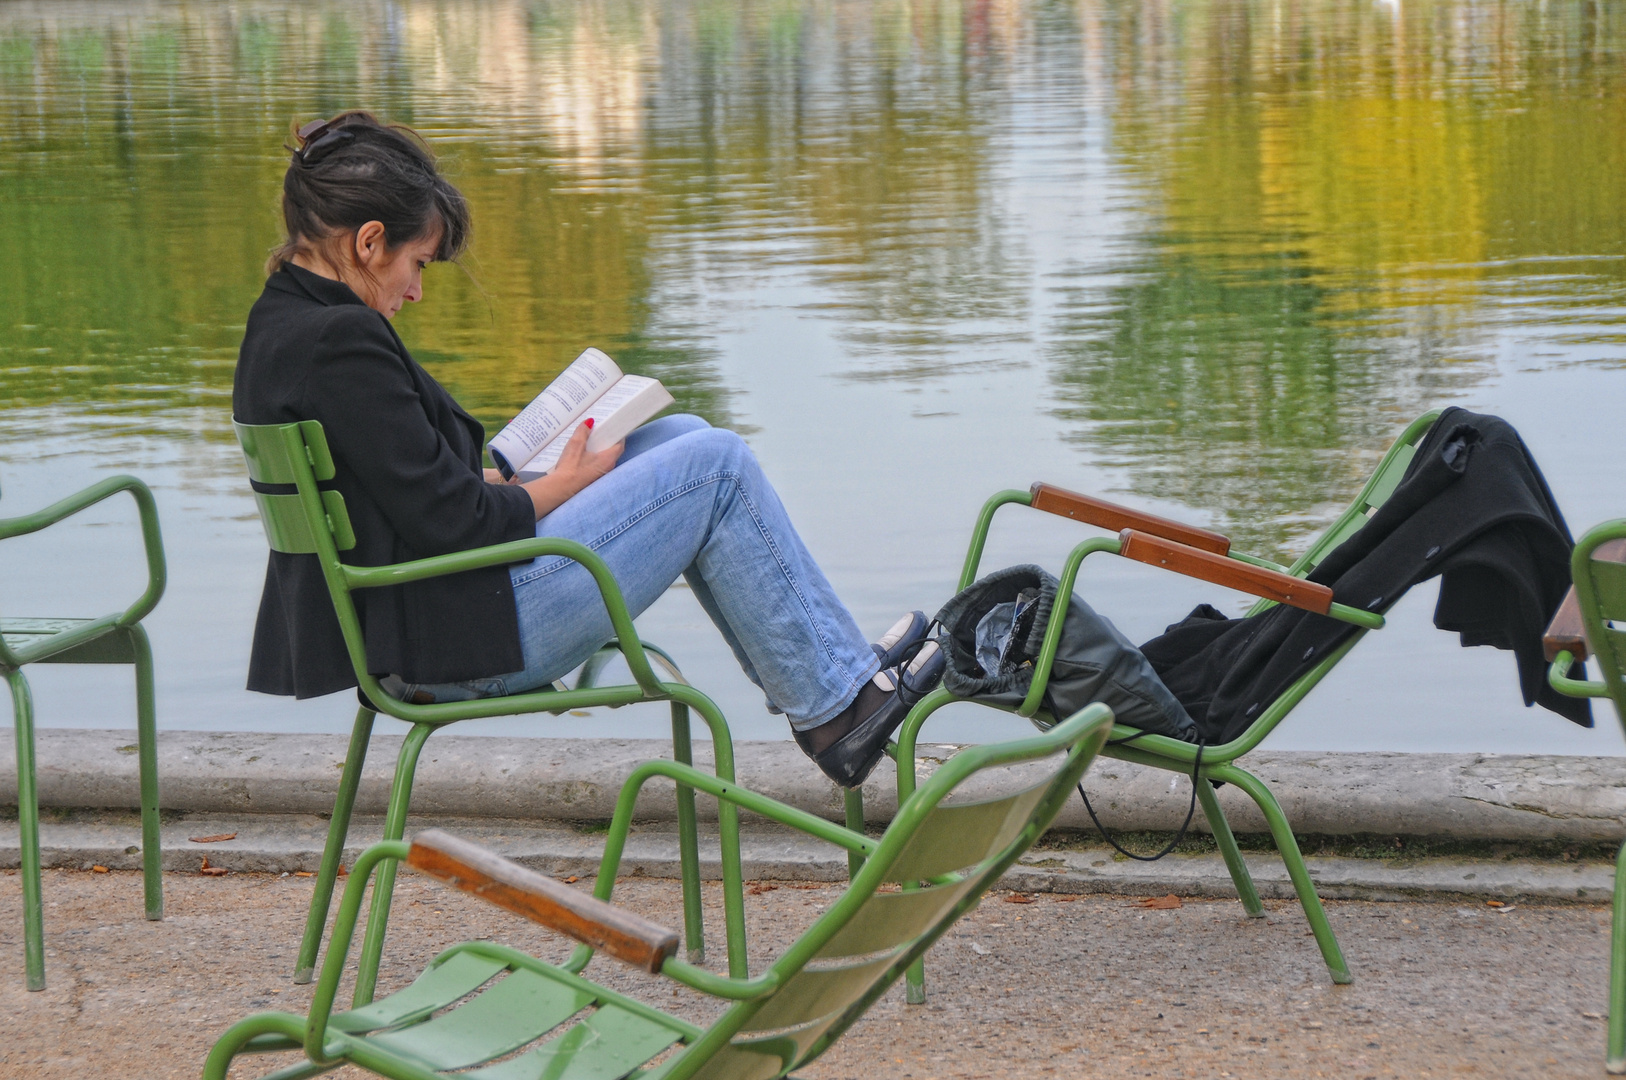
x=1161, y=903
x=807, y=884
x=98, y=869
x=761, y=887
x=342, y=871
x=212, y=871
x=1593, y=1016
x=1494, y=903
x=572, y=879
x=1066, y=898
x=217, y=838
x=303, y=873
x=1018, y=898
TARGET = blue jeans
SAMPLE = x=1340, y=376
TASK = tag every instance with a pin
x=689, y=499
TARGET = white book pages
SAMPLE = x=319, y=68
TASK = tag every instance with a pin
x=630, y=402
x=564, y=401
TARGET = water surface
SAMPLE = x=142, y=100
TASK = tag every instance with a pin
x=1206, y=258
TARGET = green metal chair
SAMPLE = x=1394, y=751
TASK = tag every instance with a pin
x=1197, y=553
x=781, y=1019
x=1591, y=624
x=111, y=639
x=308, y=520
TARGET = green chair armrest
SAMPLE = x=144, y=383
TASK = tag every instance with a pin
x=151, y=539
x=373, y=577
x=338, y=949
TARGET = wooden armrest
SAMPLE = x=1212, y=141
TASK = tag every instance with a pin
x=1182, y=559
x=474, y=869
x=1110, y=516
x=1566, y=633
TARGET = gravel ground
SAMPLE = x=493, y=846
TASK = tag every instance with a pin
x=1097, y=986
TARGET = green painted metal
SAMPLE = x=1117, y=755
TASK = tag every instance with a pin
x=312, y=521
x=1600, y=588
x=852, y=800
x=111, y=639
x=499, y=1020
x=610, y=1043
x=338, y=830
x=1173, y=755
x=1226, y=841
x=778, y=1021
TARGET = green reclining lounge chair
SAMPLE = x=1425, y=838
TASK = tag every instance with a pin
x=1591, y=623
x=1206, y=555
x=111, y=639
x=782, y=1018
x=308, y=520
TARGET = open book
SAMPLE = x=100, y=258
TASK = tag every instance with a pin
x=592, y=387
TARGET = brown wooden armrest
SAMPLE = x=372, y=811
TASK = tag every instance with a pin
x=474, y=869
x=1566, y=633
x=1182, y=559
x=1110, y=516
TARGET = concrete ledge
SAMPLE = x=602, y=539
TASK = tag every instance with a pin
x=1504, y=797
x=293, y=843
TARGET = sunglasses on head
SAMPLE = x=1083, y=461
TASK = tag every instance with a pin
x=318, y=140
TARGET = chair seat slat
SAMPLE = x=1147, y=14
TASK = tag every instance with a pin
x=608, y=1045
x=436, y=988
x=956, y=837
x=500, y=1020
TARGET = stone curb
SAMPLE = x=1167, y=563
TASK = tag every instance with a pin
x=278, y=844
x=1499, y=797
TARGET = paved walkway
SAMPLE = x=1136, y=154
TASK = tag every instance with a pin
x=1096, y=986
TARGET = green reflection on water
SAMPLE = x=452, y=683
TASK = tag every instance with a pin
x=1326, y=204
x=1339, y=196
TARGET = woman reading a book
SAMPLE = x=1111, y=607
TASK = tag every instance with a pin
x=365, y=210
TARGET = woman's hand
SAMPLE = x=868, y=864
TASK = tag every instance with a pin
x=576, y=469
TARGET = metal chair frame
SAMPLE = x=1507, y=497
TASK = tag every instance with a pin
x=111, y=639
x=313, y=521
x=780, y=1020
x=1217, y=563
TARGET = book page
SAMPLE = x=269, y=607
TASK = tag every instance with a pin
x=563, y=402
x=615, y=414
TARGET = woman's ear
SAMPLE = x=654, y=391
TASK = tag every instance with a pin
x=369, y=244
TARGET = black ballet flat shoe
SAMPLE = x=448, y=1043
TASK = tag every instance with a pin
x=850, y=759
x=898, y=644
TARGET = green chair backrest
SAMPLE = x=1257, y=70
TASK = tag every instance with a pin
x=295, y=455
x=1382, y=483
x=1600, y=586
x=865, y=941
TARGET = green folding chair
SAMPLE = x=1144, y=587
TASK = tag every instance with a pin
x=111, y=639
x=311, y=521
x=1202, y=554
x=1591, y=624
x=781, y=1019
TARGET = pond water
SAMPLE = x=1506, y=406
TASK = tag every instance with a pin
x=1206, y=258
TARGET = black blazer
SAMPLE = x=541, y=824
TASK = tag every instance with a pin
x=408, y=464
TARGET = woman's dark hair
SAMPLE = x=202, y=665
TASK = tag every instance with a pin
x=353, y=169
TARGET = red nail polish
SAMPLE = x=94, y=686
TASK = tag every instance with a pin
x=589, y=423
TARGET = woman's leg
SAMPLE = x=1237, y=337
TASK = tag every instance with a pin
x=689, y=499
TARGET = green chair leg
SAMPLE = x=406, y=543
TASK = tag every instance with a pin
x=1288, y=846
x=854, y=800
x=1226, y=841
x=1616, y=1061
x=338, y=831
x=694, y=925
x=152, y=853
x=28, y=833
x=372, y=945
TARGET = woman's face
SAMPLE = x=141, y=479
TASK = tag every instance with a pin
x=394, y=275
